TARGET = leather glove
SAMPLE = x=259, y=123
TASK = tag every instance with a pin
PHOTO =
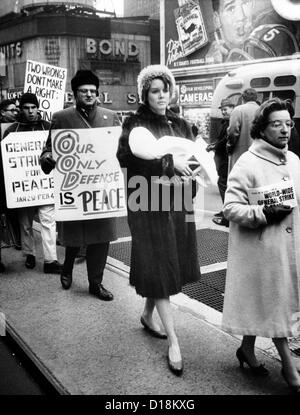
x=47, y=163
x=167, y=165
x=275, y=214
x=211, y=147
x=229, y=148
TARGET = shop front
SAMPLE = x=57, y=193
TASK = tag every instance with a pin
x=195, y=101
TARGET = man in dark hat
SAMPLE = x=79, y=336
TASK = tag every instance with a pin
x=94, y=234
x=221, y=156
x=29, y=119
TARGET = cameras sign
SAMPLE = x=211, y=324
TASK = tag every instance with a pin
x=48, y=83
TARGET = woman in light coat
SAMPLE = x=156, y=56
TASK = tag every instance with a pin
x=262, y=295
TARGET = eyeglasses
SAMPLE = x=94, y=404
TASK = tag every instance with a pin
x=279, y=124
x=11, y=110
x=86, y=91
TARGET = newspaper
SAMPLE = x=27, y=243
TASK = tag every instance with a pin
x=281, y=193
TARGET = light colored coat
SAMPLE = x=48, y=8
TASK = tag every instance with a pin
x=262, y=294
x=240, y=124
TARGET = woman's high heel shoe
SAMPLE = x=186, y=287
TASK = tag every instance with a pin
x=294, y=388
x=256, y=370
x=175, y=367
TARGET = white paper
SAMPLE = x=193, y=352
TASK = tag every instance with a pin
x=281, y=193
x=144, y=145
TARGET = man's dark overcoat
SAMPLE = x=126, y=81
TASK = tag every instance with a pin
x=86, y=232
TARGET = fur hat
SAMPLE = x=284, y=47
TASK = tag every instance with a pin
x=29, y=98
x=84, y=77
x=151, y=72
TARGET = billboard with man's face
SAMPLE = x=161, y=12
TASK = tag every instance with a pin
x=209, y=32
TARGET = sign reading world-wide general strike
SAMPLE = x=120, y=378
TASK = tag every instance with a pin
x=48, y=83
x=89, y=182
x=25, y=183
x=281, y=193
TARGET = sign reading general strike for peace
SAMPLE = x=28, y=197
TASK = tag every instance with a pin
x=25, y=183
x=89, y=182
x=48, y=83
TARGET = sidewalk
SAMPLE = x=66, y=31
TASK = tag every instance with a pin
x=88, y=347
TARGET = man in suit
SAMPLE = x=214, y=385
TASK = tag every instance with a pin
x=239, y=138
x=221, y=156
x=94, y=234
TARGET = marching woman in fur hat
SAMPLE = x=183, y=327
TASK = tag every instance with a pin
x=164, y=254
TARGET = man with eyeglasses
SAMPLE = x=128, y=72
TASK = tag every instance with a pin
x=8, y=111
x=239, y=138
x=94, y=234
x=30, y=119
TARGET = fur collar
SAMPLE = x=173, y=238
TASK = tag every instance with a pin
x=146, y=114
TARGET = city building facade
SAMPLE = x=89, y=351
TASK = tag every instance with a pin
x=74, y=36
x=149, y=8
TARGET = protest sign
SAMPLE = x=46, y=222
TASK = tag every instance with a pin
x=25, y=183
x=89, y=183
x=281, y=193
x=48, y=83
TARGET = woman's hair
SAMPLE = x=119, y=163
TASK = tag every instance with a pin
x=261, y=119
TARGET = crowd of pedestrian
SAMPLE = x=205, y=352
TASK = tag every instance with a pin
x=262, y=294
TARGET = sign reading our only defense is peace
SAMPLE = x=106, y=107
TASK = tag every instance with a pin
x=48, y=82
x=89, y=182
x=25, y=183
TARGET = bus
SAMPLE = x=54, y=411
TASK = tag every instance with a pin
x=274, y=78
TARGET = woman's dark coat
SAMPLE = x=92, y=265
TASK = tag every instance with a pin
x=164, y=252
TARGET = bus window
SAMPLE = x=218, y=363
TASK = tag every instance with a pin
x=263, y=82
x=288, y=94
x=235, y=98
x=287, y=80
x=263, y=96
